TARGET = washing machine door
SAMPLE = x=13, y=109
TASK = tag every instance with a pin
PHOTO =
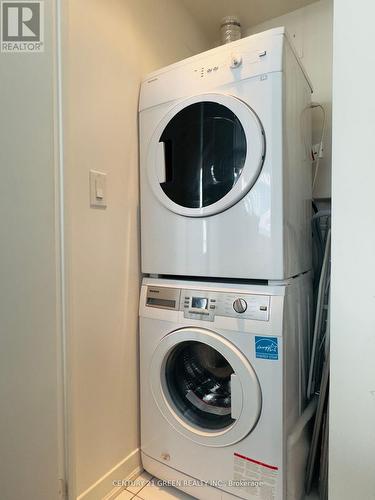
x=205, y=387
x=205, y=155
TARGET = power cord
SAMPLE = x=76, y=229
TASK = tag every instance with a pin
x=315, y=105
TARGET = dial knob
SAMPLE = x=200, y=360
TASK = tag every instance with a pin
x=235, y=61
x=240, y=305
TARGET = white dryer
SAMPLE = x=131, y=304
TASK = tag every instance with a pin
x=223, y=377
x=224, y=160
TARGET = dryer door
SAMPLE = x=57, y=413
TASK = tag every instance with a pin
x=205, y=155
x=205, y=387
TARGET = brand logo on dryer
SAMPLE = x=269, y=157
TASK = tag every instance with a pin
x=266, y=348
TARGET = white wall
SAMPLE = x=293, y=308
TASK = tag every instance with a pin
x=31, y=457
x=352, y=411
x=108, y=47
x=311, y=31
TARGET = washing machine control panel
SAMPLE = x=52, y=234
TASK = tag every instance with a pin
x=205, y=305
x=163, y=297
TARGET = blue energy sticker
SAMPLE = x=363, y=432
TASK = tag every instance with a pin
x=266, y=348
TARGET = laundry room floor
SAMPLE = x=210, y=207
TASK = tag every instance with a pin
x=147, y=489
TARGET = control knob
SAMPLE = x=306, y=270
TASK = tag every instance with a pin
x=235, y=61
x=240, y=305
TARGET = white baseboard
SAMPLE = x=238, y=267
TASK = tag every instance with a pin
x=117, y=489
x=103, y=489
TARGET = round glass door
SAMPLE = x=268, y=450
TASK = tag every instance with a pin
x=204, y=387
x=199, y=383
x=205, y=151
x=205, y=154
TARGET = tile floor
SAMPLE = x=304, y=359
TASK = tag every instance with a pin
x=143, y=489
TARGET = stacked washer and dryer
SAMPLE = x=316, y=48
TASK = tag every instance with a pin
x=226, y=252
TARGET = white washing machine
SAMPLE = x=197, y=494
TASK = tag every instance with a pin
x=223, y=376
x=225, y=164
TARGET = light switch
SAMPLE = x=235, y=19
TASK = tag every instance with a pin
x=99, y=192
x=98, y=181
